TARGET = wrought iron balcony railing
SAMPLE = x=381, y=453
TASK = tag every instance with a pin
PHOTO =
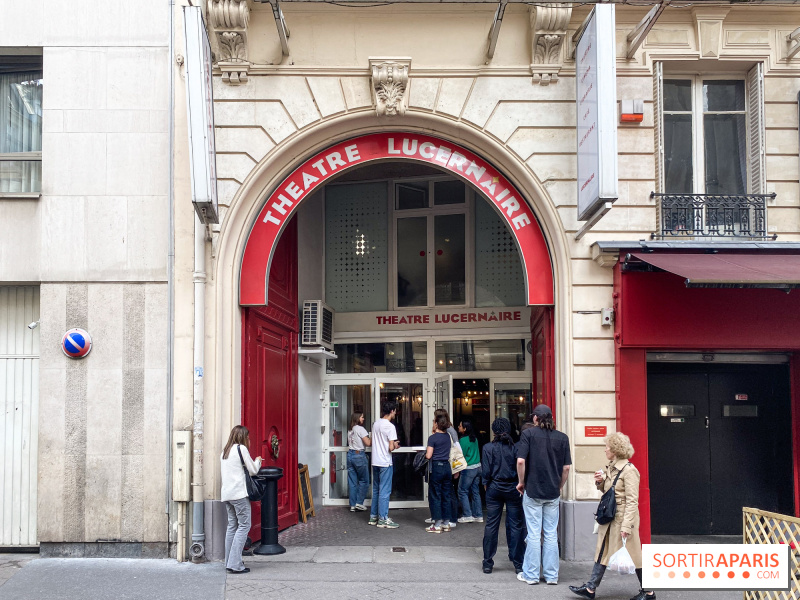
x=707, y=215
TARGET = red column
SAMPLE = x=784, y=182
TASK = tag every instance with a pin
x=631, y=383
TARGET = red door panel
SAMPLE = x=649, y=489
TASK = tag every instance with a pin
x=543, y=357
x=269, y=380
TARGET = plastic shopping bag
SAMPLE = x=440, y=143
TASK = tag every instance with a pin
x=621, y=561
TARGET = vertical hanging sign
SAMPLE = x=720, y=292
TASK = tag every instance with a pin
x=596, y=102
x=200, y=109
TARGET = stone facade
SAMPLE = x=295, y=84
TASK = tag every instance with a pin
x=97, y=244
x=97, y=241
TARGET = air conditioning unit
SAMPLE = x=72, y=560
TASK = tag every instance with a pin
x=317, y=324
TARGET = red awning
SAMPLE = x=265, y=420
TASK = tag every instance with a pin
x=729, y=270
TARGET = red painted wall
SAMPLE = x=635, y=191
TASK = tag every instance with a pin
x=656, y=311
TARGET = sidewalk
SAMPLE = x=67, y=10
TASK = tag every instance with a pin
x=25, y=577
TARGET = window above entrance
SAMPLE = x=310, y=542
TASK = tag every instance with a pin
x=416, y=242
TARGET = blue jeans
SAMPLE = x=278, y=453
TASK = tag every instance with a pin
x=469, y=492
x=439, y=489
x=381, y=490
x=357, y=476
x=541, y=515
x=236, y=535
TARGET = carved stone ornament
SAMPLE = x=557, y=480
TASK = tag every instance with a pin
x=390, y=84
x=549, y=28
x=228, y=21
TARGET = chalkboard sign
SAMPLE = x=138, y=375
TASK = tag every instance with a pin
x=304, y=495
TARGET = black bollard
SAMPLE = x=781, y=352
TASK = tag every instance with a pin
x=269, y=512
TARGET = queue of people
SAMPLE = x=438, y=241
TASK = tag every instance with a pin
x=525, y=478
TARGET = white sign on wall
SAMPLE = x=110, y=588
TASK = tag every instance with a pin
x=200, y=108
x=596, y=102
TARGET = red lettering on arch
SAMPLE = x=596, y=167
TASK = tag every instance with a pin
x=270, y=222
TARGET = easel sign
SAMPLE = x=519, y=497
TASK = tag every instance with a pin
x=304, y=495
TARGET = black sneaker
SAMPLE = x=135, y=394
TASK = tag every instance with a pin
x=487, y=570
x=581, y=591
x=642, y=595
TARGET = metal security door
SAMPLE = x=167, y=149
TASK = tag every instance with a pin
x=750, y=441
x=680, y=476
x=19, y=418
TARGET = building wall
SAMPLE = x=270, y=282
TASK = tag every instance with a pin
x=282, y=113
x=96, y=241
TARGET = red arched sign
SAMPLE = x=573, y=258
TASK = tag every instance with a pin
x=394, y=146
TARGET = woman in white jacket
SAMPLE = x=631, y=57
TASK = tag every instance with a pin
x=235, y=458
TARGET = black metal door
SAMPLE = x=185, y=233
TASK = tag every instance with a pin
x=750, y=441
x=680, y=482
x=719, y=439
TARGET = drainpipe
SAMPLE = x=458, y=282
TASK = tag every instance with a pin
x=170, y=279
x=197, y=549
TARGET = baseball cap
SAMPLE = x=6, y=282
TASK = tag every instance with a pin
x=542, y=410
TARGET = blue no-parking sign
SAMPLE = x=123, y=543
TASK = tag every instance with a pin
x=76, y=343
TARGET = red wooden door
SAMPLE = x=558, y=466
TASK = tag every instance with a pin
x=269, y=380
x=543, y=357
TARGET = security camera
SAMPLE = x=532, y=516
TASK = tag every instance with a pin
x=33, y=325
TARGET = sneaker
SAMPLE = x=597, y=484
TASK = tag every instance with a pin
x=467, y=520
x=521, y=577
x=360, y=507
x=429, y=521
x=552, y=582
x=479, y=519
x=352, y=509
x=446, y=528
x=453, y=525
x=372, y=520
x=433, y=529
x=387, y=523
x=242, y=572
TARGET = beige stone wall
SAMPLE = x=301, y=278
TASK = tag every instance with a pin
x=97, y=242
x=291, y=103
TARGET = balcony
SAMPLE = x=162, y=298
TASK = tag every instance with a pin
x=713, y=216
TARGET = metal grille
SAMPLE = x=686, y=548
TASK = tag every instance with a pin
x=356, y=247
x=761, y=527
x=706, y=215
x=498, y=270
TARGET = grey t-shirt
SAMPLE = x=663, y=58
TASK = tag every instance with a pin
x=354, y=436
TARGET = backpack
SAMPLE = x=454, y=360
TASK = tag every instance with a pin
x=607, y=508
x=421, y=464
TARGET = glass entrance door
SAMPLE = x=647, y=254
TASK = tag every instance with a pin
x=344, y=399
x=413, y=425
x=512, y=400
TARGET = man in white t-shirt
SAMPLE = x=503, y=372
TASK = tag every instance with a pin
x=384, y=441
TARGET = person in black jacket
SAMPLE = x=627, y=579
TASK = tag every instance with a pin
x=499, y=465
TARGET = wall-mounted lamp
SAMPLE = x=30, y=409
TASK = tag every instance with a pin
x=33, y=325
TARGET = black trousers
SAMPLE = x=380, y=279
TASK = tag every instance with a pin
x=516, y=532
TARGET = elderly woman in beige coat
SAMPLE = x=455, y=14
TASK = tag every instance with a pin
x=625, y=525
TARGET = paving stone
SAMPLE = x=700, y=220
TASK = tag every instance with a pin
x=292, y=554
x=344, y=554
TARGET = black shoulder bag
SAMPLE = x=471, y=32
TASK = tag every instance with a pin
x=255, y=487
x=607, y=508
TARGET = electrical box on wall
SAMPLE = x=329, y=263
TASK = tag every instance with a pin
x=606, y=316
x=182, y=466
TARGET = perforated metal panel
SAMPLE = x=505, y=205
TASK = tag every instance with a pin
x=356, y=247
x=498, y=270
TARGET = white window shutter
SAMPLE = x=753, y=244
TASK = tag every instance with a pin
x=755, y=130
x=658, y=120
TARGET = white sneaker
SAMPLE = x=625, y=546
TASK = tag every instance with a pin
x=453, y=524
x=467, y=520
x=360, y=507
x=479, y=519
x=429, y=521
x=521, y=577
